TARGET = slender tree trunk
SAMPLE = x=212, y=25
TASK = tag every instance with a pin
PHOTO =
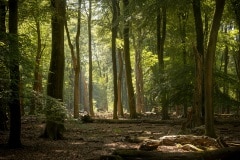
x=84, y=91
x=85, y=87
x=77, y=88
x=90, y=88
x=76, y=62
x=131, y=97
x=21, y=95
x=37, y=84
x=14, y=140
x=161, y=36
x=199, y=54
x=137, y=43
x=114, y=36
x=208, y=72
x=183, y=17
x=225, y=85
x=120, y=74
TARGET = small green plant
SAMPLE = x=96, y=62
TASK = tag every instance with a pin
x=56, y=113
x=55, y=110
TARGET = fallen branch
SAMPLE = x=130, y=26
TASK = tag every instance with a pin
x=229, y=153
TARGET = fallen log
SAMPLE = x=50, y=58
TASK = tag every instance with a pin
x=229, y=153
x=201, y=142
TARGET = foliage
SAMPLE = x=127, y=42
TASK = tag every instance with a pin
x=55, y=110
x=56, y=114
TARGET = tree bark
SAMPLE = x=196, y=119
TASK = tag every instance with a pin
x=2, y=20
x=208, y=72
x=225, y=85
x=14, y=140
x=236, y=4
x=90, y=85
x=137, y=43
x=3, y=71
x=199, y=54
x=56, y=71
x=114, y=62
x=223, y=153
x=37, y=84
x=161, y=36
x=130, y=89
x=120, y=74
x=78, y=67
x=76, y=62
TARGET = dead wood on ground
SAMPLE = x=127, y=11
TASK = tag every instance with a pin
x=228, y=153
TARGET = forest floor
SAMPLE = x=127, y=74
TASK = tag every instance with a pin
x=89, y=141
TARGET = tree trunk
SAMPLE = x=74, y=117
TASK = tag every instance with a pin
x=208, y=72
x=76, y=63
x=161, y=36
x=115, y=7
x=236, y=4
x=199, y=54
x=225, y=85
x=56, y=71
x=77, y=86
x=84, y=92
x=130, y=89
x=120, y=74
x=128, y=154
x=14, y=140
x=37, y=84
x=3, y=71
x=183, y=17
x=90, y=85
x=137, y=43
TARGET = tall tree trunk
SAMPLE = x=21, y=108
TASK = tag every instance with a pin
x=183, y=17
x=120, y=74
x=3, y=71
x=137, y=43
x=90, y=85
x=236, y=6
x=56, y=71
x=115, y=7
x=225, y=85
x=77, y=70
x=199, y=54
x=14, y=140
x=161, y=36
x=2, y=20
x=130, y=89
x=84, y=91
x=37, y=84
x=76, y=62
x=208, y=72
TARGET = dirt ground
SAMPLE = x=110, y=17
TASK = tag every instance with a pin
x=88, y=141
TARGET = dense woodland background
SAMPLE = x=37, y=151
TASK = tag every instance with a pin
x=59, y=58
